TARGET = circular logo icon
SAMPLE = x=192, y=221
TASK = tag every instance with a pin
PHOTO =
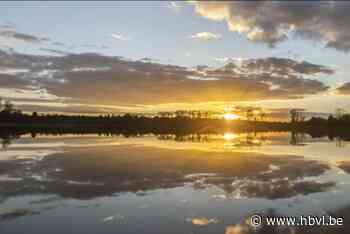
x=255, y=221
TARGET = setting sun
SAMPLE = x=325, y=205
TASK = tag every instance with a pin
x=230, y=116
x=228, y=136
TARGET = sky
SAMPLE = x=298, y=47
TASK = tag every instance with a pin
x=117, y=57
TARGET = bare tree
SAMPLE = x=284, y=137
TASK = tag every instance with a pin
x=8, y=107
x=296, y=115
x=162, y=114
x=262, y=115
x=339, y=112
x=249, y=113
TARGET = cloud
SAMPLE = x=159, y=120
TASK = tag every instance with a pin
x=216, y=168
x=12, y=81
x=175, y=6
x=7, y=26
x=54, y=51
x=34, y=94
x=344, y=89
x=120, y=37
x=205, y=36
x=71, y=108
x=148, y=60
x=13, y=71
x=9, y=36
x=227, y=60
x=279, y=74
x=272, y=22
x=272, y=65
x=222, y=60
x=95, y=46
x=202, y=221
x=285, y=66
x=91, y=78
x=13, y=35
x=57, y=43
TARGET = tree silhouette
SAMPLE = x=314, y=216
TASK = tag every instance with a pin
x=296, y=115
x=6, y=141
x=249, y=113
x=262, y=115
x=8, y=107
x=339, y=113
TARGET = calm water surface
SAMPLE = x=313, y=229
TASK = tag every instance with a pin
x=168, y=184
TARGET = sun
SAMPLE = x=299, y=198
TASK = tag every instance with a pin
x=230, y=116
x=228, y=136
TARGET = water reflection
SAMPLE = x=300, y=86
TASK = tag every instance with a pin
x=207, y=181
x=245, y=139
x=89, y=172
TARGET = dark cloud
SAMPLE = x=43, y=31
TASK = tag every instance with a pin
x=17, y=213
x=284, y=76
x=286, y=66
x=274, y=21
x=98, y=79
x=54, y=51
x=95, y=46
x=149, y=60
x=11, y=81
x=273, y=65
x=9, y=34
x=57, y=43
x=344, y=89
x=345, y=165
x=7, y=26
x=277, y=189
x=167, y=168
x=68, y=109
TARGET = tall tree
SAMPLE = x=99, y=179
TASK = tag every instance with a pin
x=249, y=113
x=8, y=107
x=339, y=113
x=262, y=115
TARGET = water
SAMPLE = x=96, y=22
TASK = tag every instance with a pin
x=168, y=184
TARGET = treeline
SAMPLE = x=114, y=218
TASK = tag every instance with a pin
x=180, y=122
x=130, y=123
x=341, y=120
x=184, y=122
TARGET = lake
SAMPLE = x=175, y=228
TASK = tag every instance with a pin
x=170, y=184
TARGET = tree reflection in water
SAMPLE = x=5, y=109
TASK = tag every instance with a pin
x=89, y=173
x=235, y=140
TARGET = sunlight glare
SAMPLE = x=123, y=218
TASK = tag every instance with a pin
x=230, y=116
x=228, y=136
